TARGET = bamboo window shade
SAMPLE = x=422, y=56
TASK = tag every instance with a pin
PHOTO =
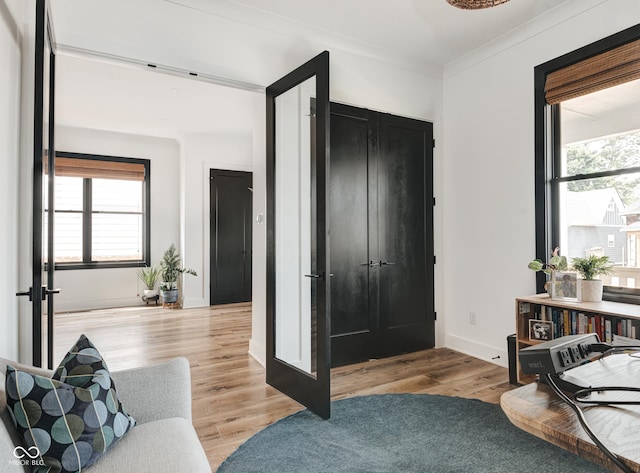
x=607, y=69
x=93, y=168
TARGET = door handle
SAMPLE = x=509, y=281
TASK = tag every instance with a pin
x=46, y=292
x=43, y=294
x=318, y=276
x=26, y=293
x=371, y=264
x=385, y=263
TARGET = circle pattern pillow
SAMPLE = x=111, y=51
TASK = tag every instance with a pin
x=72, y=418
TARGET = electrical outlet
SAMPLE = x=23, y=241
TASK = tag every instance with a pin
x=473, y=318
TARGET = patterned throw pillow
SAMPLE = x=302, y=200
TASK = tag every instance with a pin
x=73, y=418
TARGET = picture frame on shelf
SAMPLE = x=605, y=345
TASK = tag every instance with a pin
x=540, y=330
x=565, y=286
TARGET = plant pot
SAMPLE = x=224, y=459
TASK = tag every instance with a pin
x=591, y=290
x=150, y=292
x=169, y=297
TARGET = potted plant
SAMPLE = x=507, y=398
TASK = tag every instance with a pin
x=556, y=262
x=590, y=268
x=171, y=269
x=149, y=275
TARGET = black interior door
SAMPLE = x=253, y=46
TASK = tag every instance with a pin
x=353, y=218
x=42, y=288
x=298, y=274
x=405, y=233
x=231, y=236
x=381, y=235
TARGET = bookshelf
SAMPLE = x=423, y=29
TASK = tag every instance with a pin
x=604, y=318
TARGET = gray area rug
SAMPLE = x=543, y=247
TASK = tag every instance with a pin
x=401, y=433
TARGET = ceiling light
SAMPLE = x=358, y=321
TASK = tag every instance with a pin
x=475, y=4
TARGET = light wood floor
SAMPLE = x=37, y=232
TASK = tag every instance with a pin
x=231, y=401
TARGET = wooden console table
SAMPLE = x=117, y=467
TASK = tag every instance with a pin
x=536, y=409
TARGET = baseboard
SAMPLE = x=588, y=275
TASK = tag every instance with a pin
x=97, y=304
x=194, y=303
x=498, y=356
x=258, y=352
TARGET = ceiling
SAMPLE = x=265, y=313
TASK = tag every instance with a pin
x=92, y=92
x=116, y=97
x=426, y=31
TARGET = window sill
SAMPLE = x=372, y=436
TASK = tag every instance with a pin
x=99, y=265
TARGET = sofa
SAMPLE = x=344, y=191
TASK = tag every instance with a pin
x=163, y=439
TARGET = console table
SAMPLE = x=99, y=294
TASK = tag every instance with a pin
x=536, y=409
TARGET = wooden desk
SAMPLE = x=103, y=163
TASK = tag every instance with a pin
x=536, y=409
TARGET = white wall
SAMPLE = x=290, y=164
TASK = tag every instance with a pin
x=257, y=344
x=119, y=287
x=25, y=178
x=488, y=170
x=10, y=80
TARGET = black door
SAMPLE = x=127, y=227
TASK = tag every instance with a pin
x=353, y=223
x=381, y=235
x=230, y=232
x=43, y=161
x=298, y=276
x=405, y=235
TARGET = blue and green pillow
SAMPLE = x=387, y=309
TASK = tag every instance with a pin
x=73, y=417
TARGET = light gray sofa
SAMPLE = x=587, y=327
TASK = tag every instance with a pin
x=163, y=440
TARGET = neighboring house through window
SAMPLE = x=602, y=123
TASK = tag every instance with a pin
x=101, y=211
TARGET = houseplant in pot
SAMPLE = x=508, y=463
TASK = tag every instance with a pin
x=170, y=270
x=149, y=275
x=589, y=269
x=556, y=262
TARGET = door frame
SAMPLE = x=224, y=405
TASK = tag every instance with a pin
x=37, y=293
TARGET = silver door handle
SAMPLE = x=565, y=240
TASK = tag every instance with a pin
x=314, y=276
x=371, y=264
x=385, y=263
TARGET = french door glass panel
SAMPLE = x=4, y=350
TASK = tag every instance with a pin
x=294, y=224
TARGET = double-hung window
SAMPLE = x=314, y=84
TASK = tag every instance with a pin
x=588, y=158
x=101, y=217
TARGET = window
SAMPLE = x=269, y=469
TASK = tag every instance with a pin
x=588, y=158
x=101, y=209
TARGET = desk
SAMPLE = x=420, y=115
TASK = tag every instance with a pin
x=536, y=409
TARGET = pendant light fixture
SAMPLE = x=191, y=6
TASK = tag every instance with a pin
x=475, y=4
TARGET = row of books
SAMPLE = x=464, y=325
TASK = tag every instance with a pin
x=572, y=322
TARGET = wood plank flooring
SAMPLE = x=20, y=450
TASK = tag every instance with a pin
x=231, y=401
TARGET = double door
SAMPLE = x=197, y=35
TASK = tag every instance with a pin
x=381, y=245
